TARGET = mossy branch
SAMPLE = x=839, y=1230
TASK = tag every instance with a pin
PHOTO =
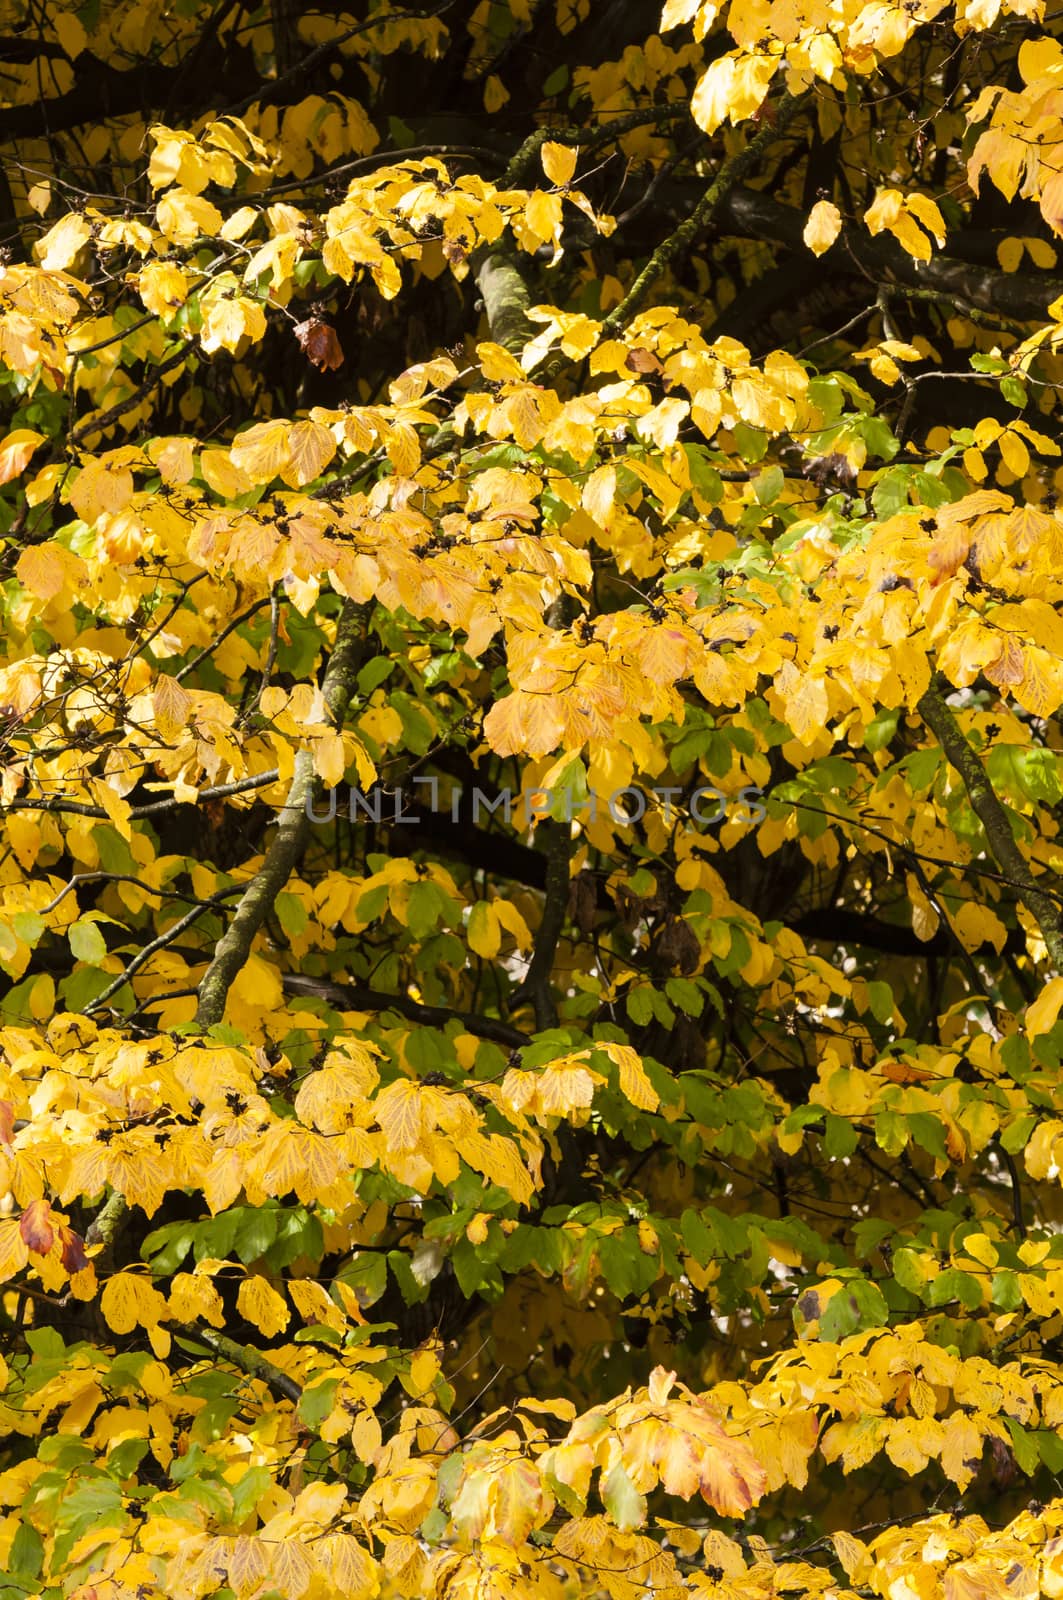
x=776, y=119
x=293, y=828
x=105, y=1227
x=506, y=299
x=939, y=718
x=247, y=1360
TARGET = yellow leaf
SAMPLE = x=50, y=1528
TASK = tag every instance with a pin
x=399, y=1114
x=171, y=706
x=101, y=487
x=497, y=365
x=635, y=1086
x=542, y=215
x=1041, y=1013
x=42, y=997
x=310, y=449
x=823, y=227
x=220, y=473
x=60, y=245
x=185, y=217
x=1015, y=454
x=483, y=931
x=194, y=1297
x=314, y=1304
x=366, y=1436
x=330, y=760
x=129, y=1300
x=926, y=211
x=260, y=1303
x=15, y=452
x=47, y=569
x=559, y=162
x=495, y=93
x=262, y=452
x=163, y=287
x=1009, y=254
x=961, y=1449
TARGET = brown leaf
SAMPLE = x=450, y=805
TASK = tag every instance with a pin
x=73, y=1257
x=679, y=946
x=36, y=1228
x=831, y=472
x=320, y=343
x=583, y=901
x=642, y=361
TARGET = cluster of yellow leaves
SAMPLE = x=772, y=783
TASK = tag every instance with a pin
x=890, y=1392
x=93, y=1121
x=932, y=1082
x=37, y=308
x=850, y=38
x=1018, y=148
x=566, y=1087
x=940, y=1557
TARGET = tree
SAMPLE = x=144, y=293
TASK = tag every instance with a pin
x=531, y=788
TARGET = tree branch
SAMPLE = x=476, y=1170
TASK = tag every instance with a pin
x=679, y=242
x=939, y=718
x=1020, y=296
x=355, y=997
x=506, y=299
x=293, y=827
x=247, y=1360
x=555, y=843
x=154, y=808
x=104, y=419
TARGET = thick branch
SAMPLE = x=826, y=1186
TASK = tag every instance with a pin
x=555, y=842
x=355, y=997
x=939, y=718
x=506, y=300
x=105, y=1227
x=1022, y=296
x=292, y=830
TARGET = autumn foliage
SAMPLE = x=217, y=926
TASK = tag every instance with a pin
x=531, y=771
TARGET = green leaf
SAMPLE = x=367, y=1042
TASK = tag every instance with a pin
x=1005, y=1292
x=928, y=1134
x=1024, y=1446
x=1014, y=391
x=625, y=1505
x=891, y=1132
x=29, y=925
x=1050, y=1449
x=952, y=1284
x=856, y=1305
x=769, y=485
x=880, y=999
x=698, y=1237
x=909, y=1269
x=841, y=1138
x=315, y=1404
x=881, y=729
x=291, y=914
x=87, y=942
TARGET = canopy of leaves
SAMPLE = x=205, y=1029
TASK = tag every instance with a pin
x=531, y=775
